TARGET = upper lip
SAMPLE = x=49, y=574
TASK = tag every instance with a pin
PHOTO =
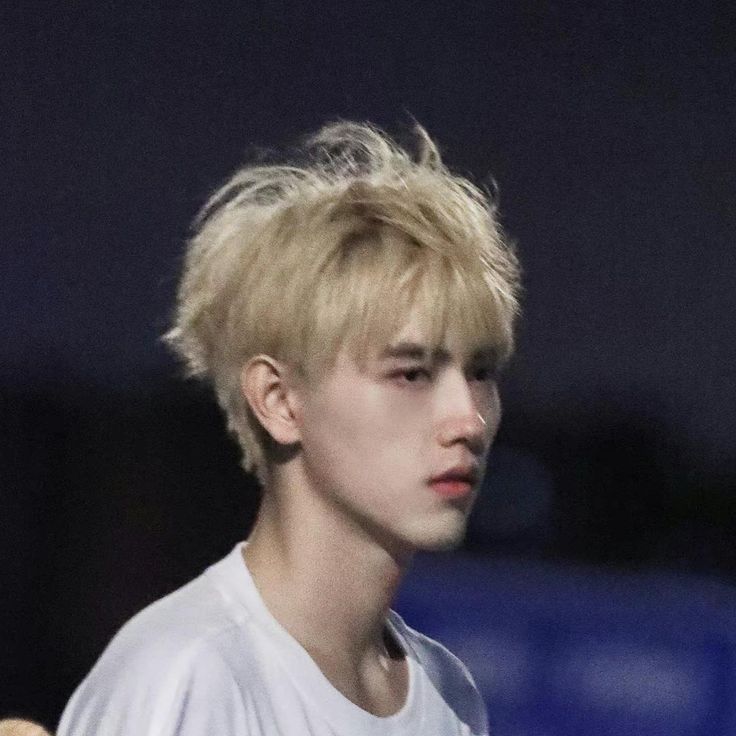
x=467, y=473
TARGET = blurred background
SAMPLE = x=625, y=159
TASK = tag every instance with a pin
x=595, y=591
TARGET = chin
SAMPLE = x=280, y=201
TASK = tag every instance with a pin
x=442, y=535
x=444, y=544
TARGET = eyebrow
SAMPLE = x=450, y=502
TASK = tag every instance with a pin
x=413, y=350
x=417, y=351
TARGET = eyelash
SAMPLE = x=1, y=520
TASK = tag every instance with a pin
x=478, y=374
x=403, y=375
x=488, y=374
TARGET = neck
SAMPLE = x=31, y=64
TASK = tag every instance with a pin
x=323, y=577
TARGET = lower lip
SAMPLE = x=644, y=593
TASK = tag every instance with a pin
x=451, y=488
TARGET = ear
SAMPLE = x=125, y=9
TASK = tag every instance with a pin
x=269, y=388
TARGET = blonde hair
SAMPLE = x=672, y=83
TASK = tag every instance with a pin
x=296, y=260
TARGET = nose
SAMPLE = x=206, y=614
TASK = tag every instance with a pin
x=460, y=420
x=468, y=430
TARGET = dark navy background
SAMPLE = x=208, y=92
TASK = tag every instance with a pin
x=609, y=129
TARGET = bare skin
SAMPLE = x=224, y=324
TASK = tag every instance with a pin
x=335, y=614
x=20, y=727
x=343, y=515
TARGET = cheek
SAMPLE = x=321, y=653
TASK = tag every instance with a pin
x=343, y=426
x=375, y=413
x=361, y=435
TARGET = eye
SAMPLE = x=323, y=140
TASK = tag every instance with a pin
x=412, y=375
x=484, y=373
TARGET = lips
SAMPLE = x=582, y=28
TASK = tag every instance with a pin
x=455, y=482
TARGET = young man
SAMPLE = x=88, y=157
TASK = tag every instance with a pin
x=352, y=310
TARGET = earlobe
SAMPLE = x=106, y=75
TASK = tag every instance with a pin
x=265, y=384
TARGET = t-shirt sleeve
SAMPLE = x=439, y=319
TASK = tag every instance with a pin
x=479, y=722
x=451, y=681
x=160, y=693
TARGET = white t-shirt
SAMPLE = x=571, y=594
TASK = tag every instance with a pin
x=210, y=660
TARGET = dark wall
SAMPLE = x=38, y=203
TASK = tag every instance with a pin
x=609, y=129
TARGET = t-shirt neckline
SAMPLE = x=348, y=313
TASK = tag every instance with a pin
x=307, y=676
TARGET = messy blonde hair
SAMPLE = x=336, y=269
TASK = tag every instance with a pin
x=297, y=260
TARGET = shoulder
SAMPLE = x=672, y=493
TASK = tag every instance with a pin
x=171, y=662
x=448, y=675
x=441, y=665
x=188, y=627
